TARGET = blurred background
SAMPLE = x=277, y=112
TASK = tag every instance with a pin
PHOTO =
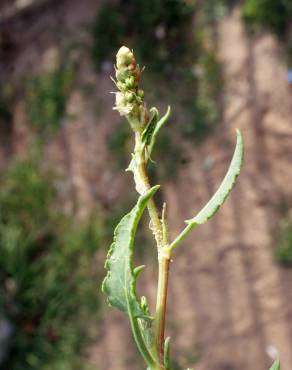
x=220, y=64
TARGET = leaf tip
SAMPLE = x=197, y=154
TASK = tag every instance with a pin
x=153, y=190
x=276, y=365
x=138, y=270
x=239, y=137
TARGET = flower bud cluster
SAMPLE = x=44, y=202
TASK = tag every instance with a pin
x=130, y=99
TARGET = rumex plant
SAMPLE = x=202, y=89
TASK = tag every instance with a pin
x=120, y=282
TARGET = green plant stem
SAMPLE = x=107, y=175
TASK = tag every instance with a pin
x=163, y=273
x=142, y=185
x=181, y=237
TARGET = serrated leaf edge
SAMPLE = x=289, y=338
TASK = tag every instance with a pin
x=225, y=187
x=139, y=208
x=220, y=195
x=134, y=318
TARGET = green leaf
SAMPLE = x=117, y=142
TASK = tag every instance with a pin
x=157, y=128
x=145, y=325
x=221, y=194
x=149, y=130
x=276, y=365
x=120, y=282
x=166, y=359
x=225, y=188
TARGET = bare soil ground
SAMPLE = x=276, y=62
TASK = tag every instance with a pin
x=230, y=303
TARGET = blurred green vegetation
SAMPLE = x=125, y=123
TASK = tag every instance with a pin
x=142, y=25
x=270, y=14
x=46, y=97
x=203, y=112
x=215, y=10
x=48, y=277
x=118, y=142
x=283, y=251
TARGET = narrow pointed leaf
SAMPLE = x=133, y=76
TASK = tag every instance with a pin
x=276, y=365
x=225, y=188
x=149, y=130
x=221, y=194
x=157, y=128
x=166, y=359
x=145, y=325
x=137, y=270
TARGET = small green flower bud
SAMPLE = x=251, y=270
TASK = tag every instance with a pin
x=129, y=100
x=141, y=93
x=121, y=75
x=125, y=57
x=130, y=82
x=122, y=86
x=129, y=96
